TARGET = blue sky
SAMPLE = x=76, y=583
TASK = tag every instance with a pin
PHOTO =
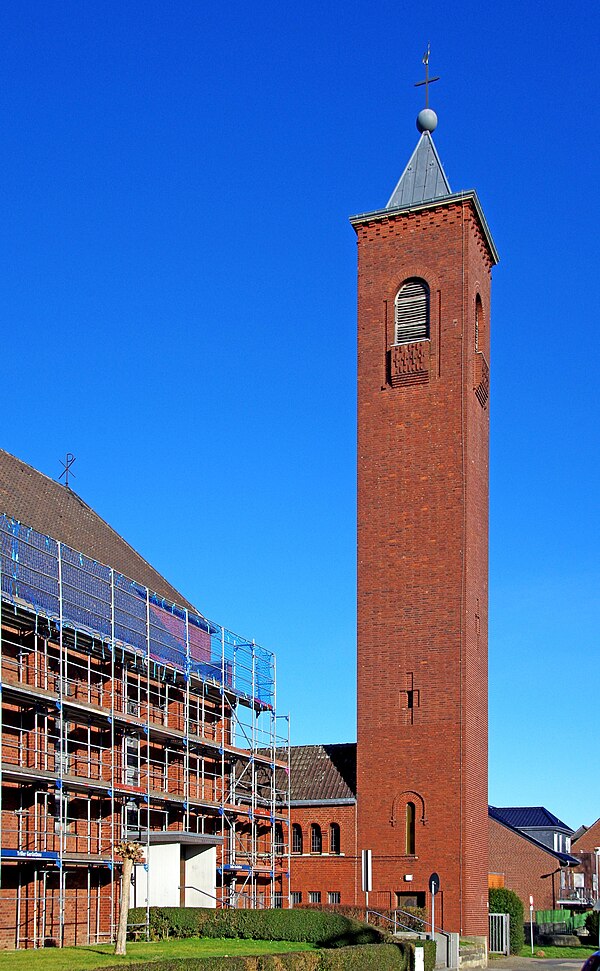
x=179, y=311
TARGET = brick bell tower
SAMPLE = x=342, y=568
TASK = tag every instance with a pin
x=424, y=273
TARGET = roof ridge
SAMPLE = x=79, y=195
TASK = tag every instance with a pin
x=61, y=491
x=320, y=744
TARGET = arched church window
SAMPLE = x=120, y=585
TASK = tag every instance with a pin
x=316, y=840
x=410, y=828
x=412, y=312
x=296, y=838
x=334, y=838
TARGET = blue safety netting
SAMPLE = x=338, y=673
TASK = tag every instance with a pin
x=69, y=588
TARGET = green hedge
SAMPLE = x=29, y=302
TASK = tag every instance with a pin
x=504, y=901
x=365, y=957
x=412, y=918
x=592, y=925
x=324, y=928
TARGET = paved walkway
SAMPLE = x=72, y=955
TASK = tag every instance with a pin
x=536, y=964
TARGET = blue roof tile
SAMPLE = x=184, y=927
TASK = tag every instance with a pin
x=524, y=817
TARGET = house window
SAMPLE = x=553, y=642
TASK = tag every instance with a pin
x=132, y=818
x=334, y=838
x=132, y=760
x=410, y=828
x=334, y=897
x=62, y=809
x=296, y=838
x=411, y=312
x=316, y=840
x=279, y=843
x=404, y=900
x=278, y=900
x=314, y=896
x=295, y=898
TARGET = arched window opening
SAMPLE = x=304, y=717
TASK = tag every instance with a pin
x=410, y=828
x=479, y=324
x=316, y=840
x=279, y=842
x=296, y=838
x=412, y=312
x=334, y=838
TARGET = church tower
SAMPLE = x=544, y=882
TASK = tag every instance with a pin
x=424, y=273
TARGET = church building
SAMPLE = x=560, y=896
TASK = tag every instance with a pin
x=424, y=274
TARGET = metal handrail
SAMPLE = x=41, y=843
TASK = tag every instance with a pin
x=395, y=922
x=190, y=886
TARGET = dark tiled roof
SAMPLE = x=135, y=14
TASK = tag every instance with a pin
x=565, y=859
x=319, y=772
x=52, y=509
x=523, y=817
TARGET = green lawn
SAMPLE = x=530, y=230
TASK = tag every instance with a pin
x=101, y=955
x=581, y=953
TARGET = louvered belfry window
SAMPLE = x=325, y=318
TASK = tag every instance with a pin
x=412, y=312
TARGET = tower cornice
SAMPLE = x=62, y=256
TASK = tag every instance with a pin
x=469, y=195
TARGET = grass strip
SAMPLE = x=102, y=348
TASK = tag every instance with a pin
x=92, y=956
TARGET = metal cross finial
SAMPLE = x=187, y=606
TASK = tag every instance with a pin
x=70, y=458
x=427, y=80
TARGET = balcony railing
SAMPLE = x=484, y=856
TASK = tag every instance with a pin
x=577, y=895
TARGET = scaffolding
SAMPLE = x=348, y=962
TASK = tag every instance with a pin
x=124, y=715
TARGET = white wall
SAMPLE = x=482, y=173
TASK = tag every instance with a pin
x=163, y=877
x=201, y=872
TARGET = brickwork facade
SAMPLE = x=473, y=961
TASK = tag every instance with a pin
x=335, y=869
x=585, y=850
x=423, y=560
x=523, y=867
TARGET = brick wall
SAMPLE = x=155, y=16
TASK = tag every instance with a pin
x=30, y=906
x=584, y=848
x=422, y=562
x=326, y=872
x=526, y=868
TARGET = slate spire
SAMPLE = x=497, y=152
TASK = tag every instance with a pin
x=423, y=179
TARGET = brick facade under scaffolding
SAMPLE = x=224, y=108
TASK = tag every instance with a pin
x=124, y=713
